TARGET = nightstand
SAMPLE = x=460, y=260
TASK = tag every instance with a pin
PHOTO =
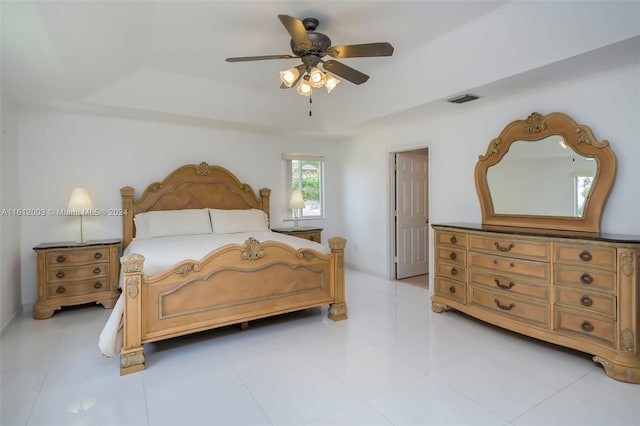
x=76, y=273
x=308, y=233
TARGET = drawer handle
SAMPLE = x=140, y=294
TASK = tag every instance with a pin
x=504, y=307
x=311, y=238
x=453, y=239
x=61, y=259
x=504, y=248
x=97, y=285
x=586, y=301
x=504, y=286
x=60, y=274
x=454, y=271
x=452, y=290
x=98, y=255
x=585, y=256
x=586, y=278
x=96, y=271
x=60, y=290
x=587, y=326
x=452, y=256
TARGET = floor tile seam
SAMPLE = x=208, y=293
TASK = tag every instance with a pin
x=556, y=393
x=465, y=396
x=146, y=402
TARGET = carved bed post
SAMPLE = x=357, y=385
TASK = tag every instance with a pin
x=264, y=201
x=132, y=353
x=338, y=309
x=126, y=192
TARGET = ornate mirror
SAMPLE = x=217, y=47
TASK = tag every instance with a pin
x=545, y=172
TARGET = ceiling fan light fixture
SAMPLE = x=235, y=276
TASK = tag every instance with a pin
x=317, y=78
x=304, y=88
x=331, y=83
x=290, y=76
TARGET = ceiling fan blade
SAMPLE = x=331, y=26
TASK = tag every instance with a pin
x=296, y=29
x=301, y=69
x=348, y=73
x=361, y=50
x=259, y=58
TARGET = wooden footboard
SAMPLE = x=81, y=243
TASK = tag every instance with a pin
x=234, y=284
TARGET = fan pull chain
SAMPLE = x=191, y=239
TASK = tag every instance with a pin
x=310, y=102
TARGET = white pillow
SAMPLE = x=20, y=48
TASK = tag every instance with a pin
x=164, y=223
x=232, y=221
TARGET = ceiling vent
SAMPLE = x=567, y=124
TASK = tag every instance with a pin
x=463, y=98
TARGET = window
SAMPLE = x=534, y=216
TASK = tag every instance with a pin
x=581, y=190
x=306, y=172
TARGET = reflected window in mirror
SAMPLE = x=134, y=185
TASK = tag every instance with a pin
x=542, y=177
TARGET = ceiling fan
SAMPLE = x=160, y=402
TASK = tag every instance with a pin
x=311, y=46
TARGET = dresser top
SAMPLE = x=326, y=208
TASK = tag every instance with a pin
x=539, y=232
x=75, y=244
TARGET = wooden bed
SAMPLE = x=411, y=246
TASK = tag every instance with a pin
x=231, y=285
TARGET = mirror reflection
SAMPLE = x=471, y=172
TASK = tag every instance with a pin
x=544, y=177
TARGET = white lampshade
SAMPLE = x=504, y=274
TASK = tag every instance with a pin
x=297, y=202
x=331, y=83
x=79, y=202
x=304, y=88
x=289, y=77
x=316, y=77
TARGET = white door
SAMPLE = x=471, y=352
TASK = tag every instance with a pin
x=412, y=235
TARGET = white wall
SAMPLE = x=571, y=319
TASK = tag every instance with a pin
x=9, y=224
x=608, y=102
x=59, y=151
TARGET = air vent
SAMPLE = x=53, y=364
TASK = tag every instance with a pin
x=462, y=99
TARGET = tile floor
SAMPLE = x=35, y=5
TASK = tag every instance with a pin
x=393, y=362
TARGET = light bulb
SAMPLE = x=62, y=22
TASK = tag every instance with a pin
x=317, y=77
x=304, y=88
x=289, y=77
x=331, y=83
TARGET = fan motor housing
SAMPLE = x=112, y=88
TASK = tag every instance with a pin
x=319, y=41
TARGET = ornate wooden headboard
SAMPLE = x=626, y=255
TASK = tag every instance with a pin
x=194, y=186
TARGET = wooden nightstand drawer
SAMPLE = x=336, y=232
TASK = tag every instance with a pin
x=77, y=288
x=68, y=257
x=79, y=272
x=76, y=273
x=311, y=234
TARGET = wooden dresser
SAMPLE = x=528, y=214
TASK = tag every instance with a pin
x=76, y=273
x=575, y=290
x=308, y=233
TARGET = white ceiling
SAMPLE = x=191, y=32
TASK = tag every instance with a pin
x=165, y=59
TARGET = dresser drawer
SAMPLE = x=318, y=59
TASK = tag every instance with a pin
x=587, y=255
x=447, y=237
x=500, y=264
x=78, y=288
x=69, y=257
x=95, y=270
x=451, y=289
x=509, y=306
x=451, y=255
x=510, y=246
x=455, y=272
x=587, y=300
x=576, y=323
x=510, y=284
x=585, y=278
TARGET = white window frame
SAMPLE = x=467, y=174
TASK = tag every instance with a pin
x=288, y=158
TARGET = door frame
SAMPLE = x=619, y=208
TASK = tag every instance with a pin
x=391, y=197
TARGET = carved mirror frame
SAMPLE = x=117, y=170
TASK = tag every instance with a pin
x=581, y=139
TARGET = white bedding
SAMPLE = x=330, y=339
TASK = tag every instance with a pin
x=163, y=252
